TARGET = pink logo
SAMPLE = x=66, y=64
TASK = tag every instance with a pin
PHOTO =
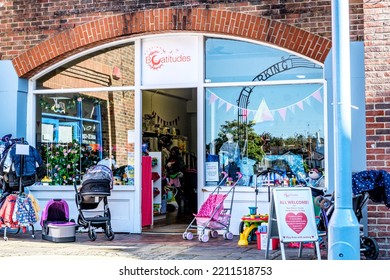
x=157, y=57
x=297, y=222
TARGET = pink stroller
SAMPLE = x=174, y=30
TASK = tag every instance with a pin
x=212, y=215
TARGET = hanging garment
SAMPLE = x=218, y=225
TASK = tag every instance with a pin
x=24, y=211
x=7, y=210
x=35, y=205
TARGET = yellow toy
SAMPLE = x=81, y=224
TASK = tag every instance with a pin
x=248, y=224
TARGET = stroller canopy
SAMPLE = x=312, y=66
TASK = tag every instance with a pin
x=97, y=180
x=98, y=172
x=56, y=210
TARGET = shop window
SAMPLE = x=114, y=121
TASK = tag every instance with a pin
x=76, y=131
x=111, y=67
x=238, y=61
x=277, y=125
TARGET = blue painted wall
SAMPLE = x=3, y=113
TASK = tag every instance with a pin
x=13, y=101
x=358, y=141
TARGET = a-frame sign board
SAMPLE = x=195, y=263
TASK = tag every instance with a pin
x=292, y=219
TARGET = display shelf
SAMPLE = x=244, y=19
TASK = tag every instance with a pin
x=157, y=168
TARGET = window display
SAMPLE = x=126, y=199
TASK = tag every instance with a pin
x=248, y=125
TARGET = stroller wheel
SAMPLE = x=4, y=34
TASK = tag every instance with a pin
x=109, y=234
x=188, y=235
x=369, y=247
x=325, y=204
x=92, y=234
x=228, y=235
x=214, y=233
x=317, y=200
x=204, y=238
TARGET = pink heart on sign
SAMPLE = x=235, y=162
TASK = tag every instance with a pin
x=297, y=222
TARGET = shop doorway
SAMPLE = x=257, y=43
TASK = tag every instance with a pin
x=169, y=122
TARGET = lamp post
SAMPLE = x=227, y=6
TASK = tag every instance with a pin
x=344, y=242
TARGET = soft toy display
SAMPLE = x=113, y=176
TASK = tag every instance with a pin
x=315, y=178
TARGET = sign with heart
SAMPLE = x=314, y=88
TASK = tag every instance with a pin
x=293, y=215
x=297, y=222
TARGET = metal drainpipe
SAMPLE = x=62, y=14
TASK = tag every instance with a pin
x=343, y=227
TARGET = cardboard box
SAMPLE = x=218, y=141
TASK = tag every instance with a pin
x=262, y=241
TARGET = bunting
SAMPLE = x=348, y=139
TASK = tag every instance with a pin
x=163, y=122
x=263, y=113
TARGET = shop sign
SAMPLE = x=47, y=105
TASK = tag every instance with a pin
x=294, y=214
x=169, y=60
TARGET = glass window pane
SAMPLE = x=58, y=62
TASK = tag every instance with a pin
x=237, y=61
x=279, y=127
x=105, y=68
x=96, y=129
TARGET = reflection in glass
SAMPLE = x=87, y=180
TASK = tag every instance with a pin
x=76, y=131
x=280, y=122
x=279, y=127
x=105, y=68
x=237, y=61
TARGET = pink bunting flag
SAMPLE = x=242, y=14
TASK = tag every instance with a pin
x=282, y=113
x=228, y=106
x=317, y=95
x=300, y=105
x=213, y=97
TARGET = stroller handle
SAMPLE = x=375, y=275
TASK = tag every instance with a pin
x=239, y=176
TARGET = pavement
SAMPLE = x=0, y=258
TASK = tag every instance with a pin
x=146, y=246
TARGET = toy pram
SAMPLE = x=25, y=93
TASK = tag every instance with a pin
x=212, y=215
x=56, y=226
x=95, y=188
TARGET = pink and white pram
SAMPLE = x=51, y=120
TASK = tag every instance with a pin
x=212, y=215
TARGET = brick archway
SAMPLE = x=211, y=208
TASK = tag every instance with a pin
x=203, y=20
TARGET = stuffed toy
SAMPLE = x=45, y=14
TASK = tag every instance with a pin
x=316, y=178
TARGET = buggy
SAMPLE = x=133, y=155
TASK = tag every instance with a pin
x=212, y=215
x=92, y=198
x=368, y=246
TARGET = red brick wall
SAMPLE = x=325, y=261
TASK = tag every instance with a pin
x=377, y=72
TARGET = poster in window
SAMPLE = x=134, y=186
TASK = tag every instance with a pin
x=47, y=133
x=65, y=134
x=90, y=132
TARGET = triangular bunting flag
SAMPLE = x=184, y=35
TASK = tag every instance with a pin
x=317, y=95
x=307, y=101
x=263, y=113
x=282, y=113
x=300, y=105
x=292, y=108
x=228, y=106
x=213, y=97
x=220, y=103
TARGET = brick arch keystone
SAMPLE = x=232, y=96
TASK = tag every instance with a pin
x=165, y=20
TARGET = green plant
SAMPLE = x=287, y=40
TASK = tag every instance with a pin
x=62, y=162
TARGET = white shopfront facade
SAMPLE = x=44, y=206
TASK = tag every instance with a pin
x=283, y=101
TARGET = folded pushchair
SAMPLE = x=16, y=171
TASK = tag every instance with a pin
x=212, y=215
x=56, y=226
x=369, y=247
x=92, y=201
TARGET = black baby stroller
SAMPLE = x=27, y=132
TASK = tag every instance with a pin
x=368, y=246
x=95, y=188
x=212, y=215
